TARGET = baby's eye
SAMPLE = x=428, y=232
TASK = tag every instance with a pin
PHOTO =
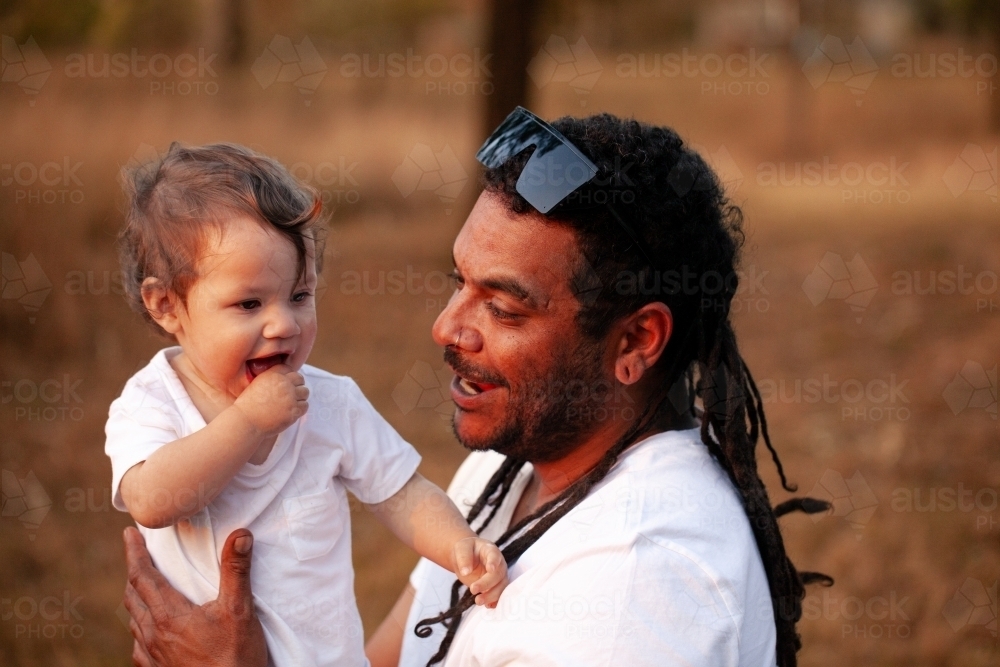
x=299, y=297
x=249, y=304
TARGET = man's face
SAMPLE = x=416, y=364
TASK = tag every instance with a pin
x=526, y=379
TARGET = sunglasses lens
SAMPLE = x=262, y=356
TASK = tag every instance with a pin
x=517, y=132
x=555, y=168
x=551, y=175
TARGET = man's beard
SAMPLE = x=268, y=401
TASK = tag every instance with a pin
x=546, y=417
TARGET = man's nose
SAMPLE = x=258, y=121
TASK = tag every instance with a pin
x=454, y=326
x=281, y=323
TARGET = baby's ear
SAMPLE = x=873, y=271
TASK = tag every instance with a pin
x=161, y=304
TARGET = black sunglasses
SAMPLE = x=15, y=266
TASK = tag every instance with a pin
x=555, y=170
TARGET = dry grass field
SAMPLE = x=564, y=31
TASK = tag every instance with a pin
x=887, y=407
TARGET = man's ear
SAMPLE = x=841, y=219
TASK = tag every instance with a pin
x=642, y=337
x=161, y=304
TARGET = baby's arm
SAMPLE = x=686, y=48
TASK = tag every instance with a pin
x=423, y=517
x=181, y=477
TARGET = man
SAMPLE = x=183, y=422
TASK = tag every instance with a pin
x=594, y=277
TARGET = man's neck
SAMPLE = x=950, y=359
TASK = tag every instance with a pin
x=551, y=478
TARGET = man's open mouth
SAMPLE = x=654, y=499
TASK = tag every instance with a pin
x=257, y=366
x=470, y=388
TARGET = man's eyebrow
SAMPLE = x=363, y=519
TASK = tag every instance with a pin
x=506, y=285
x=513, y=287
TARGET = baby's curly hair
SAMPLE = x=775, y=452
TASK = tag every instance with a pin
x=173, y=202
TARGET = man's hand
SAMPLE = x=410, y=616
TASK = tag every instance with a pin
x=274, y=400
x=170, y=631
x=480, y=565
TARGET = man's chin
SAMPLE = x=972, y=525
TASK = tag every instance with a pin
x=471, y=436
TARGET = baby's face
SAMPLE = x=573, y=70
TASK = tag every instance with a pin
x=249, y=309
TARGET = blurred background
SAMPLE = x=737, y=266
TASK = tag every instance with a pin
x=860, y=138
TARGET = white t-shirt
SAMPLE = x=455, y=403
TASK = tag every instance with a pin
x=295, y=503
x=656, y=566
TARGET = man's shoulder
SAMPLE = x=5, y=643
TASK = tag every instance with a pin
x=673, y=489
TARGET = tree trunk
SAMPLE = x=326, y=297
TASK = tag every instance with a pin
x=234, y=37
x=994, y=83
x=512, y=45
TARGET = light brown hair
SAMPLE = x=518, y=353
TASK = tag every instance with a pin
x=173, y=202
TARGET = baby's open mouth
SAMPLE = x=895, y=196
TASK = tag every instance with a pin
x=257, y=366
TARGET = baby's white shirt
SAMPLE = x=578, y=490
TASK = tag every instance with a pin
x=295, y=503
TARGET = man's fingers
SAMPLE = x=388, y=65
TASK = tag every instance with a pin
x=144, y=579
x=140, y=658
x=160, y=598
x=136, y=608
x=234, y=586
x=136, y=555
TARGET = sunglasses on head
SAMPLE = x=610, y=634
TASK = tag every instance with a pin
x=555, y=170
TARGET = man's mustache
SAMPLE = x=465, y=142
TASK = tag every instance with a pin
x=470, y=371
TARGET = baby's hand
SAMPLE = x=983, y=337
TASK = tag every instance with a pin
x=274, y=400
x=480, y=566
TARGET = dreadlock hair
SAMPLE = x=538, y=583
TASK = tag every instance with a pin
x=676, y=206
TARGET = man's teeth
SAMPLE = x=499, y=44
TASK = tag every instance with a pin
x=468, y=387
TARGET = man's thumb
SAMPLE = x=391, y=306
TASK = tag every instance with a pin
x=234, y=583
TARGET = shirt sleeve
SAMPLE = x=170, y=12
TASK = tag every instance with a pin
x=137, y=426
x=377, y=462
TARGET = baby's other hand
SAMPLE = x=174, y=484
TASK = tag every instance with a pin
x=480, y=565
x=274, y=400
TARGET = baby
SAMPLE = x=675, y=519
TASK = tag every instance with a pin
x=220, y=251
